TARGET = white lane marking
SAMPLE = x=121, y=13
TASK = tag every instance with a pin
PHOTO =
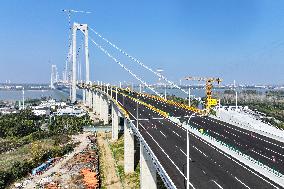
x=143, y=119
x=246, y=133
x=261, y=155
x=163, y=134
x=166, y=155
x=241, y=145
x=274, y=151
x=184, y=154
x=223, y=153
x=177, y=134
x=217, y=184
x=199, y=151
x=219, y=150
x=242, y=182
x=233, y=160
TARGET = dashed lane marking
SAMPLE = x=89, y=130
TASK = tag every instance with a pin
x=163, y=134
x=242, y=182
x=217, y=184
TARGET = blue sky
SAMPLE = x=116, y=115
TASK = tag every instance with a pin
x=231, y=39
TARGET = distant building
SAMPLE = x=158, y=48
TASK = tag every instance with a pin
x=7, y=110
x=73, y=111
x=41, y=111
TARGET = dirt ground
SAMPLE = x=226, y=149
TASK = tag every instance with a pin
x=109, y=179
x=59, y=170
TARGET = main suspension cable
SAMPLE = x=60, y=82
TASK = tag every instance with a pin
x=125, y=68
x=137, y=61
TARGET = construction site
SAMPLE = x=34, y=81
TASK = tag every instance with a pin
x=78, y=169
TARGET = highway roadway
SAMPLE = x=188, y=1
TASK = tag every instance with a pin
x=209, y=167
x=268, y=151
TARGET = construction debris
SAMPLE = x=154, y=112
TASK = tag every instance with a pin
x=81, y=170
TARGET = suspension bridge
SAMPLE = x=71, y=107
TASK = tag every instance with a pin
x=186, y=148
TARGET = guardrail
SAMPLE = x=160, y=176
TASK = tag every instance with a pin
x=159, y=168
x=256, y=165
x=171, y=102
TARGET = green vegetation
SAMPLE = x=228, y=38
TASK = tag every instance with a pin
x=130, y=180
x=68, y=124
x=193, y=102
x=24, y=145
x=19, y=125
x=229, y=91
x=271, y=104
x=277, y=94
x=273, y=110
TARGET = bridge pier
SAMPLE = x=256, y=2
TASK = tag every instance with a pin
x=128, y=148
x=84, y=97
x=104, y=109
x=114, y=122
x=90, y=99
x=87, y=97
x=94, y=101
x=99, y=104
x=148, y=175
x=90, y=96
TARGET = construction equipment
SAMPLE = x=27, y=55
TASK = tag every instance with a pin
x=210, y=102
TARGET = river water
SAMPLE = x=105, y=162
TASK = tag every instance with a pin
x=14, y=95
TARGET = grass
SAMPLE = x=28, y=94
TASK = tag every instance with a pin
x=9, y=158
x=101, y=169
x=21, y=154
x=131, y=180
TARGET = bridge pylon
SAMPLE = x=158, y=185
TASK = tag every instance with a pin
x=84, y=29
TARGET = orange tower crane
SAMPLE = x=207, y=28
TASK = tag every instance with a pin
x=210, y=102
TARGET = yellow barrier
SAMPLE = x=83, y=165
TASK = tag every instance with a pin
x=184, y=106
x=162, y=113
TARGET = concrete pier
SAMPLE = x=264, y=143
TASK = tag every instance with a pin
x=115, y=122
x=94, y=101
x=148, y=175
x=104, y=109
x=128, y=148
x=84, y=97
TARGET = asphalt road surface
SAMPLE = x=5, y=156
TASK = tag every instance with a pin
x=209, y=167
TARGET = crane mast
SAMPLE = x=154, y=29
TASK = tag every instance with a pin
x=210, y=102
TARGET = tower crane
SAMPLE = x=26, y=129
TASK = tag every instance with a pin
x=210, y=102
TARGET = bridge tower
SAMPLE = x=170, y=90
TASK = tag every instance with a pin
x=84, y=29
x=54, y=76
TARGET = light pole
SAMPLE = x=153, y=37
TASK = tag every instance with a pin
x=123, y=99
x=23, y=98
x=189, y=96
x=165, y=91
x=137, y=115
x=116, y=94
x=236, y=99
x=187, y=152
